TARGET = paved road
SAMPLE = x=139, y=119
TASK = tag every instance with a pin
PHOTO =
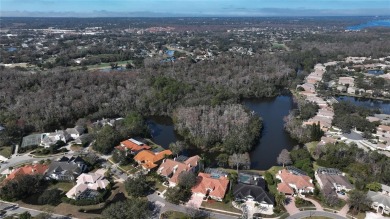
x=166, y=206
x=304, y=214
x=13, y=208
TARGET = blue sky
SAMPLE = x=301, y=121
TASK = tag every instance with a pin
x=202, y=7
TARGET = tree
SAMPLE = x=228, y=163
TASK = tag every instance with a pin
x=137, y=187
x=358, y=200
x=239, y=160
x=269, y=178
x=43, y=216
x=187, y=179
x=177, y=147
x=132, y=125
x=106, y=139
x=121, y=157
x=331, y=199
x=222, y=160
x=178, y=195
x=25, y=215
x=130, y=209
x=194, y=212
x=284, y=158
x=21, y=187
x=374, y=186
x=280, y=199
x=51, y=197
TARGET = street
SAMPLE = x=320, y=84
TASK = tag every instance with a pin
x=13, y=208
x=305, y=214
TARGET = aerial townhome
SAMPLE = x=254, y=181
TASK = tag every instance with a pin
x=66, y=168
x=88, y=185
x=149, y=159
x=380, y=200
x=133, y=146
x=211, y=185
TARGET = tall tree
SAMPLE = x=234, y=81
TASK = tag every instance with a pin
x=138, y=186
x=284, y=157
x=177, y=147
x=187, y=179
x=358, y=200
x=130, y=209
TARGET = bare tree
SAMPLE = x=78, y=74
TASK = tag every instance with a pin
x=239, y=160
x=284, y=157
x=177, y=147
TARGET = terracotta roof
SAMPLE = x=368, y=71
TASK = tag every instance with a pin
x=134, y=145
x=218, y=186
x=285, y=188
x=29, y=169
x=300, y=181
x=149, y=159
x=172, y=167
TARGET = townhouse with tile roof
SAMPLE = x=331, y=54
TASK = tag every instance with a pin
x=149, y=159
x=213, y=186
x=294, y=183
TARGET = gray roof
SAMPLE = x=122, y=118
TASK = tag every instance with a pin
x=78, y=130
x=241, y=191
x=337, y=179
x=385, y=188
x=379, y=198
x=64, y=168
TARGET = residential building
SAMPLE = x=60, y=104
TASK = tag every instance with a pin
x=133, y=146
x=49, y=139
x=293, y=182
x=28, y=169
x=66, y=168
x=213, y=186
x=149, y=160
x=332, y=178
x=172, y=168
x=347, y=80
x=87, y=185
x=75, y=132
x=380, y=200
x=252, y=193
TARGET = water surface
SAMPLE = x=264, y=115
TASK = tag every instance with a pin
x=383, y=106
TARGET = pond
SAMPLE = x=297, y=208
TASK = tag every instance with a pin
x=273, y=137
x=383, y=106
x=374, y=23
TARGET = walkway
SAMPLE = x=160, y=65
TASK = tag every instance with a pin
x=305, y=214
x=315, y=203
x=343, y=212
x=14, y=208
x=290, y=207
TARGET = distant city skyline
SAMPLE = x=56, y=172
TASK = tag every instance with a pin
x=155, y=8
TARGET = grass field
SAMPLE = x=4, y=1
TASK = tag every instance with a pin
x=6, y=151
x=221, y=206
x=311, y=146
x=63, y=186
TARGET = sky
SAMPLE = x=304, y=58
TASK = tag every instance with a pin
x=194, y=7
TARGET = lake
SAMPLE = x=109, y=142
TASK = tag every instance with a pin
x=273, y=137
x=384, y=106
x=376, y=23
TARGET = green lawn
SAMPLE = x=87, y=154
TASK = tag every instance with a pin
x=6, y=151
x=220, y=206
x=129, y=168
x=311, y=146
x=275, y=169
x=174, y=215
x=63, y=186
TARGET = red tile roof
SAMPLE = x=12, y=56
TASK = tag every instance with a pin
x=131, y=145
x=29, y=169
x=149, y=159
x=285, y=188
x=172, y=167
x=216, y=186
x=301, y=182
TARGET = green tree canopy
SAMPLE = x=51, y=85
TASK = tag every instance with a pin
x=130, y=209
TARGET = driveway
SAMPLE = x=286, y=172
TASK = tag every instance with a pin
x=343, y=212
x=195, y=201
x=305, y=214
x=290, y=206
x=315, y=203
x=166, y=206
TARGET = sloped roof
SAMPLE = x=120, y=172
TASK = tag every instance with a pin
x=174, y=167
x=29, y=169
x=379, y=198
x=285, y=188
x=335, y=179
x=242, y=191
x=218, y=186
x=134, y=145
x=150, y=159
x=300, y=181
